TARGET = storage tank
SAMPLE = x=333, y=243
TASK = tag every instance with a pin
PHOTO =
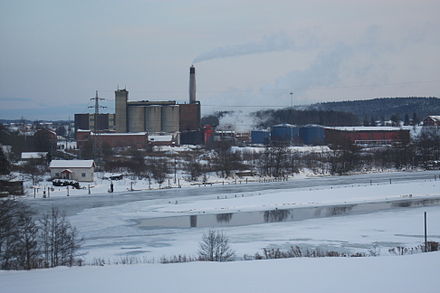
x=170, y=118
x=136, y=119
x=260, y=137
x=312, y=134
x=284, y=133
x=153, y=119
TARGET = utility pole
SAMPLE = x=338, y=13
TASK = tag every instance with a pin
x=426, y=234
x=96, y=107
x=175, y=169
x=291, y=99
x=291, y=107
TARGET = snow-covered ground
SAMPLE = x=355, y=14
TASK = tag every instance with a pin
x=413, y=273
x=115, y=231
x=111, y=232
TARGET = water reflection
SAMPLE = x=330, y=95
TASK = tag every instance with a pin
x=193, y=221
x=276, y=215
x=224, y=218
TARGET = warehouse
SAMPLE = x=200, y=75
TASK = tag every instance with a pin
x=366, y=135
x=134, y=139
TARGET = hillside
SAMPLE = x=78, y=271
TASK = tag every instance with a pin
x=267, y=118
x=384, y=108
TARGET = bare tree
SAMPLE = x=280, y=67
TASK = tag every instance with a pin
x=225, y=160
x=159, y=169
x=5, y=165
x=26, y=245
x=18, y=236
x=194, y=168
x=59, y=240
x=215, y=247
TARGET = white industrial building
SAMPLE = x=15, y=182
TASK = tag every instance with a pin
x=79, y=170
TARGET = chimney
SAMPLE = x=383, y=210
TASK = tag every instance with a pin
x=192, y=85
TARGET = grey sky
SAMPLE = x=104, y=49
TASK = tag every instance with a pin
x=55, y=54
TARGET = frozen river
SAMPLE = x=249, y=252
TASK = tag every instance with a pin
x=73, y=205
x=360, y=212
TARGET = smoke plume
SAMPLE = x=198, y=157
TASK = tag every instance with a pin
x=271, y=43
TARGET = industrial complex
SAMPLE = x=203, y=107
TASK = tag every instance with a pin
x=146, y=121
x=142, y=122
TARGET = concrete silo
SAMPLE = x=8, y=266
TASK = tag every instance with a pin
x=153, y=119
x=136, y=119
x=121, y=97
x=170, y=118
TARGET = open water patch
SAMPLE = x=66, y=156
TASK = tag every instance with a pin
x=281, y=215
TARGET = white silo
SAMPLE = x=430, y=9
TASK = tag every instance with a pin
x=153, y=118
x=170, y=118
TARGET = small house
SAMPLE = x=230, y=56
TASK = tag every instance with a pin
x=79, y=170
x=10, y=186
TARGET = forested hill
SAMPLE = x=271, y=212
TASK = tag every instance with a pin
x=385, y=108
x=267, y=118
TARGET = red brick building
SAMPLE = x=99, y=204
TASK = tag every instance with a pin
x=366, y=135
x=133, y=139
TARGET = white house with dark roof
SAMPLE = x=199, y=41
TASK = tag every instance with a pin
x=79, y=170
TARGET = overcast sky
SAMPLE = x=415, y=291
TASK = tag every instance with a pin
x=248, y=53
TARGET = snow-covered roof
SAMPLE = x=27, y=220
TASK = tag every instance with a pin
x=365, y=128
x=160, y=137
x=119, y=133
x=434, y=117
x=284, y=125
x=33, y=155
x=71, y=164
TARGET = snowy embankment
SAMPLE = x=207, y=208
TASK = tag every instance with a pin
x=413, y=273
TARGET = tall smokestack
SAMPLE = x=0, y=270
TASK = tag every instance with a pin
x=192, y=85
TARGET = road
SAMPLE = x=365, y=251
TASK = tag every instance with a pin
x=72, y=205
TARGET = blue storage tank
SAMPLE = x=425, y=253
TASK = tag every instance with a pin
x=285, y=133
x=260, y=136
x=312, y=134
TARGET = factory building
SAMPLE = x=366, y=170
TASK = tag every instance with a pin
x=157, y=116
x=366, y=135
x=134, y=139
x=319, y=135
x=135, y=121
x=86, y=121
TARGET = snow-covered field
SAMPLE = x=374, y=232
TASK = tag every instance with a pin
x=413, y=273
x=115, y=231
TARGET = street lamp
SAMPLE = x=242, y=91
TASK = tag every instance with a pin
x=291, y=107
x=291, y=99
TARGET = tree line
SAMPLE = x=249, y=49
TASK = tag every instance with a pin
x=28, y=244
